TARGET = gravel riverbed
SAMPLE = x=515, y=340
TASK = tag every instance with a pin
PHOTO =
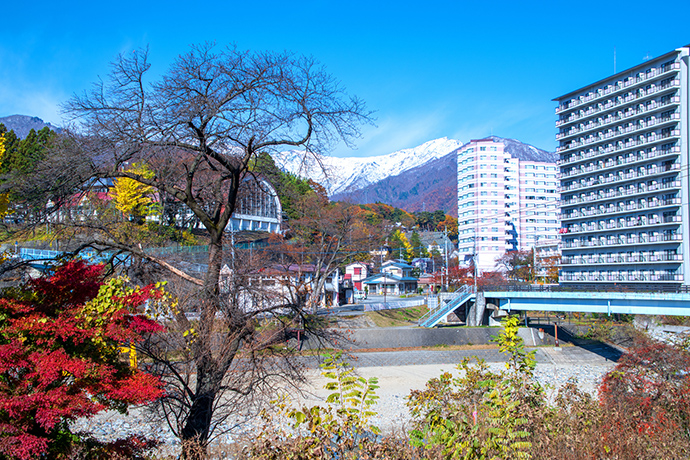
x=395, y=383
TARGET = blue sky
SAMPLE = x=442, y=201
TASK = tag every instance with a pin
x=439, y=68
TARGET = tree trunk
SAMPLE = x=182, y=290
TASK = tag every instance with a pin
x=215, y=263
x=197, y=427
x=195, y=433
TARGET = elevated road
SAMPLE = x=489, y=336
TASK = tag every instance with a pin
x=562, y=299
x=629, y=303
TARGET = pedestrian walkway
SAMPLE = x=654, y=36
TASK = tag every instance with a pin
x=418, y=357
x=594, y=354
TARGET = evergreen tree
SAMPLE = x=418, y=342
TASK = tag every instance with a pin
x=22, y=155
x=11, y=144
x=418, y=246
x=289, y=187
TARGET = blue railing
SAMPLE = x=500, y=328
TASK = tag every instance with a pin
x=432, y=318
x=46, y=256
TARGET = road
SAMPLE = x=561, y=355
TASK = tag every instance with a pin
x=358, y=308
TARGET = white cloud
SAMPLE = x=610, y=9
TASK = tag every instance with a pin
x=30, y=101
x=395, y=133
x=27, y=90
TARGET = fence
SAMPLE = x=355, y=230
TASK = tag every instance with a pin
x=394, y=305
x=46, y=256
x=582, y=287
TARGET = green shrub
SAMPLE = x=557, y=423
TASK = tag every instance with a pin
x=480, y=414
x=341, y=429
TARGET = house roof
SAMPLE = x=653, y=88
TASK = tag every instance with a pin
x=434, y=239
x=290, y=269
x=397, y=265
x=363, y=264
x=380, y=278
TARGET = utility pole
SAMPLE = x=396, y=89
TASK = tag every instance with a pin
x=534, y=263
x=445, y=252
x=534, y=259
x=232, y=245
x=385, y=288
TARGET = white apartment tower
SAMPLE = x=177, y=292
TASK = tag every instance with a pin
x=507, y=199
x=623, y=146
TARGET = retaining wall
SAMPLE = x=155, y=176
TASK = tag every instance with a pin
x=422, y=337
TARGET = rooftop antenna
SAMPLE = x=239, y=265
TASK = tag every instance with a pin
x=614, y=59
x=647, y=57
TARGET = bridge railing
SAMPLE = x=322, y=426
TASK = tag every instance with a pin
x=587, y=288
x=48, y=255
x=458, y=298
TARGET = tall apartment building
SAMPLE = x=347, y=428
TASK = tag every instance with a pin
x=507, y=199
x=624, y=176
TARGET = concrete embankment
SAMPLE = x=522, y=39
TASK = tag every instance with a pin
x=419, y=337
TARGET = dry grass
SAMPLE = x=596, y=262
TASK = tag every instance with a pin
x=398, y=317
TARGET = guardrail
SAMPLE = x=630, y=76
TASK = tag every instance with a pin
x=432, y=318
x=394, y=305
x=48, y=255
x=583, y=287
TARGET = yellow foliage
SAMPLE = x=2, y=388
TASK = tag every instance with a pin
x=133, y=198
x=409, y=250
x=2, y=147
x=4, y=204
x=4, y=197
x=132, y=352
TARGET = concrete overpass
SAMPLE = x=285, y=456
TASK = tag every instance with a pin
x=558, y=299
x=628, y=303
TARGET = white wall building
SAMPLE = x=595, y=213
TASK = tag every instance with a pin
x=258, y=207
x=507, y=199
x=624, y=175
x=357, y=272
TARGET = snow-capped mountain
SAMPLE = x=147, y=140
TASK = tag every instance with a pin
x=22, y=124
x=433, y=185
x=342, y=175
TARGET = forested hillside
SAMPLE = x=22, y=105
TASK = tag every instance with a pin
x=428, y=187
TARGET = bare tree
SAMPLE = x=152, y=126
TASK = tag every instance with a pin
x=327, y=236
x=199, y=127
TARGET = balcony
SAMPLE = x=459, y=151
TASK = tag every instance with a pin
x=611, y=164
x=618, y=135
x=622, y=208
x=621, y=240
x=600, y=226
x=641, y=189
x=621, y=258
x=612, y=118
x=621, y=85
x=621, y=277
x=621, y=178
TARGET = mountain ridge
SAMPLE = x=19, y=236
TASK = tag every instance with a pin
x=415, y=179
x=430, y=183
x=22, y=124
x=342, y=175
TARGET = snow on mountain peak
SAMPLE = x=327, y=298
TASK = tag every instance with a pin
x=352, y=173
